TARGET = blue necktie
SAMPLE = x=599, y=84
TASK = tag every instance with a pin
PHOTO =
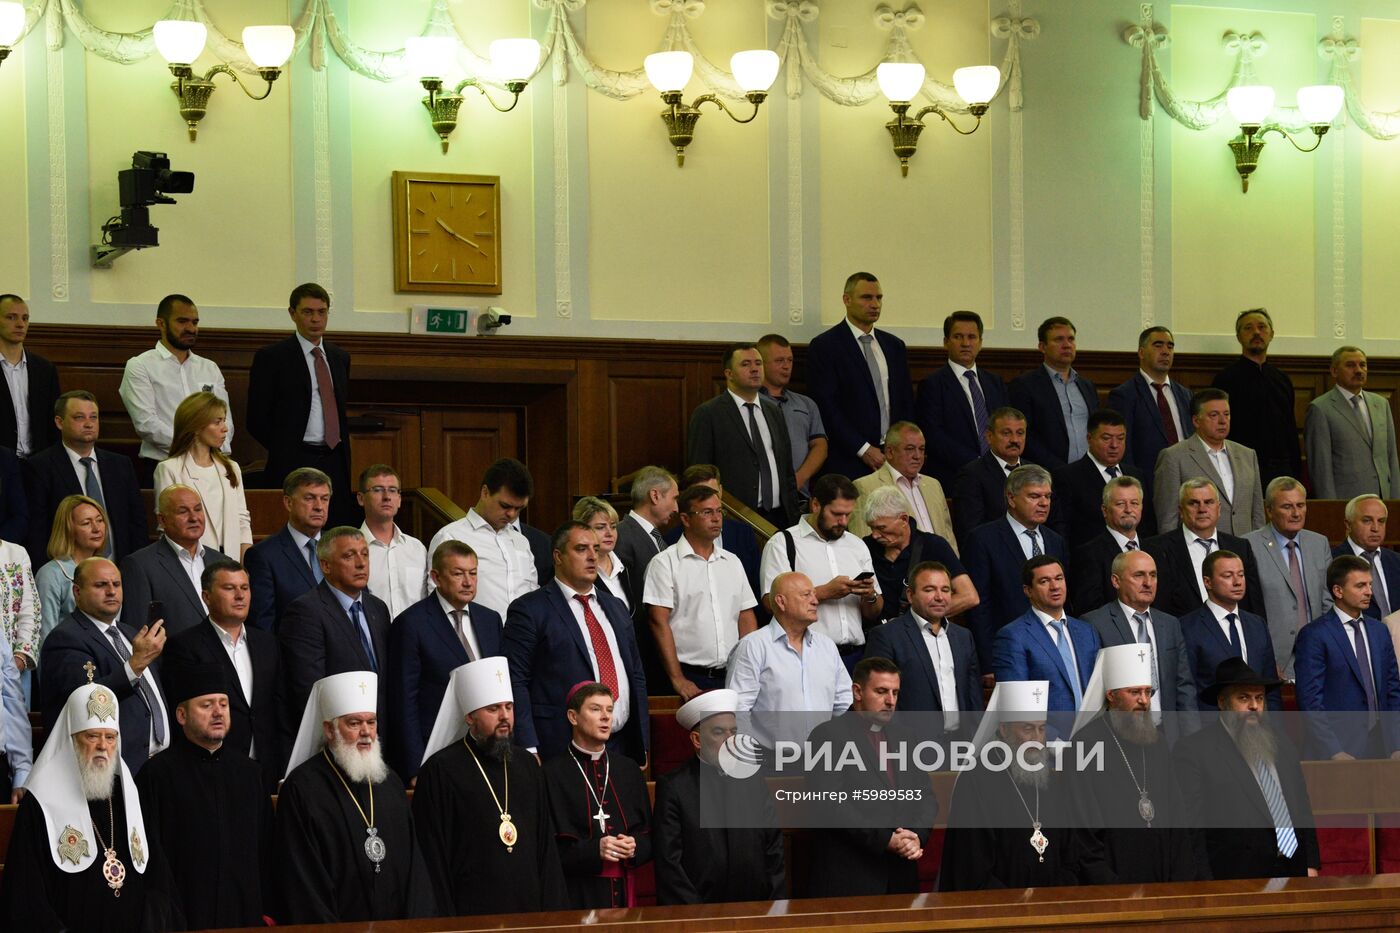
x=1062, y=642
x=314, y=561
x=357, y=616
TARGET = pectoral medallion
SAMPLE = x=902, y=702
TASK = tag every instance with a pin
x=114, y=872
x=1038, y=841
x=375, y=850
x=507, y=832
x=1146, y=810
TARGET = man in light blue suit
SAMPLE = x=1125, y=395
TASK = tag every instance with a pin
x=1045, y=643
x=1130, y=619
x=1292, y=564
x=1348, y=682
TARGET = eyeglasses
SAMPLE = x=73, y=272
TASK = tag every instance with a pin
x=385, y=490
x=707, y=513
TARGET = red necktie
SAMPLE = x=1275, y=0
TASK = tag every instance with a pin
x=326, y=389
x=1168, y=423
x=607, y=671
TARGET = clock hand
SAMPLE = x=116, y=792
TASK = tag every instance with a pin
x=454, y=233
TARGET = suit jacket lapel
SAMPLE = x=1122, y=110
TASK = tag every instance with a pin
x=171, y=565
x=97, y=636
x=1207, y=468
x=1280, y=563
x=1213, y=626
x=736, y=420
x=1335, y=629
x=1348, y=412
x=566, y=615
x=1149, y=401
x=911, y=630
x=1375, y=405
x=442, y=627
x=1047, y=647
x=1121, y=623
x=293, y=554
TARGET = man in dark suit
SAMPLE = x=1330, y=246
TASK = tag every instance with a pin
x=168, y=571
x=1079, y=485
x=1156, y=410
x=122, y=658
x=1129, y=619
x=298, y=390
x=570, y=631
x=1347, y=676
x=427, y=642
x=956, y=400
x=1046, y=644
x=995, y=552
x=979, y=491
x=1181, y=553
x=937, y=660
x=1366, y=517
x=639, y=539
x=868, y=846
x=1230, y=772
x=1056, y=399
x=1262, y=400
x=336, y=627
x=76, y=466
x=29, y=388
x=1091, y=584
x=283, y=566
x=250, y=658
x=1221, y=628
x=743, y=432
x=860, y=379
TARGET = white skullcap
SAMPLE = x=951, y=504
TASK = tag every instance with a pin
x=1013, y=701
x=332, y=697
x=1116, y=667
x=702, y=707
x=472, y=686
x=56, y=783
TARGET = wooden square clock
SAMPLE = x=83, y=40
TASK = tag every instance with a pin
x=447, y=233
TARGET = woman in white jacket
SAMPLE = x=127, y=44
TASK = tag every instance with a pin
x=201, y=424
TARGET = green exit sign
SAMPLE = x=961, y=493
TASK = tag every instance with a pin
x=446, y=321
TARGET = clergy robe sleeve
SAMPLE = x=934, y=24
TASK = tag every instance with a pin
x=673, y=885
x=553, y=894
x=428, y=808
x=306, y=892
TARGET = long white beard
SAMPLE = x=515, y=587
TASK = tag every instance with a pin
x=97, y=779
x=359, y=766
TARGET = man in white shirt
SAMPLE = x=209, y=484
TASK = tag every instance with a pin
x=398, y=563
x=698, y=598
x=835, y=561
x=905, y=451
x=505, y=563
x=1232, y=467
x=154, y=383
x=30, y=386
x=168, y=572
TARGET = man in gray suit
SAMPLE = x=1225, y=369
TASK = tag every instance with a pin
x=1232, y=468
x=169, y=571
x=1350, y=435
x=1292, y=564
x=1131, y=619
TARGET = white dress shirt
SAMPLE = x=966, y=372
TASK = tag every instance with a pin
x=473, y=646
x=1220, y=612
x=154, y=384
x=398, y=571
x=151, y=683
x=1198, y=555
x=613, y=580
x=1128, y=612
x=880, y=364
x=778, y=685
x=623, y=707
x=505, y=565
x=822, y=560
x=769, y=455
x=1220, y=459
x=191, y=564
x=80, y=471
x=705, y=596
x=316, y=420
x=17, y=379
x=237, y=651
x=940, y=652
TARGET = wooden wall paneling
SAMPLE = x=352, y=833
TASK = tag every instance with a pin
x=590, y=423
x=649, y=408
x=458, y=446
x=399, y=444
x=546, y=434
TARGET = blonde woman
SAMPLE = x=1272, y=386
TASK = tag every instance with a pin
x=602, y=518
x=79, y=532
x=196, y=460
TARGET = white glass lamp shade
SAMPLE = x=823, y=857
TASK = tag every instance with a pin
x=1320, y=103
x=669, y=71
x=900, y=81
x=11, y=23
x=755, y=69
x=515, y=59
x=269, y=46
x=977, y=84
x=1250, y=104
x=180, y=41
x=431, y=56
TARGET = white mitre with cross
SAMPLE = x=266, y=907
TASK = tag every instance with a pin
x=56, y=784
x=332, y=697
x=1013, y=701
x=1115, y=668
x=480, y=683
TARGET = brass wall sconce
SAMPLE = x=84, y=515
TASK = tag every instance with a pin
x=180, y=42
x=11, y=26
x=669, y=72
x=1251, y=105
x=900, y=81
x=513, y=61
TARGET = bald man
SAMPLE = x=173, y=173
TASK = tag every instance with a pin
x=168, y=572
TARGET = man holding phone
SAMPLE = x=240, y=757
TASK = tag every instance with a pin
x=836, y=561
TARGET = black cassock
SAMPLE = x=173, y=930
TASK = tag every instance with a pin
x=324, y=875
x=38, y=897
x=460, y=825
x=1109, y=802
x=573, y=808
x=699, y=861
x=208, y=813
x=987, y=844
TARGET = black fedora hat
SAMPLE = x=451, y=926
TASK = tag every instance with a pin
x=1234, y=672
